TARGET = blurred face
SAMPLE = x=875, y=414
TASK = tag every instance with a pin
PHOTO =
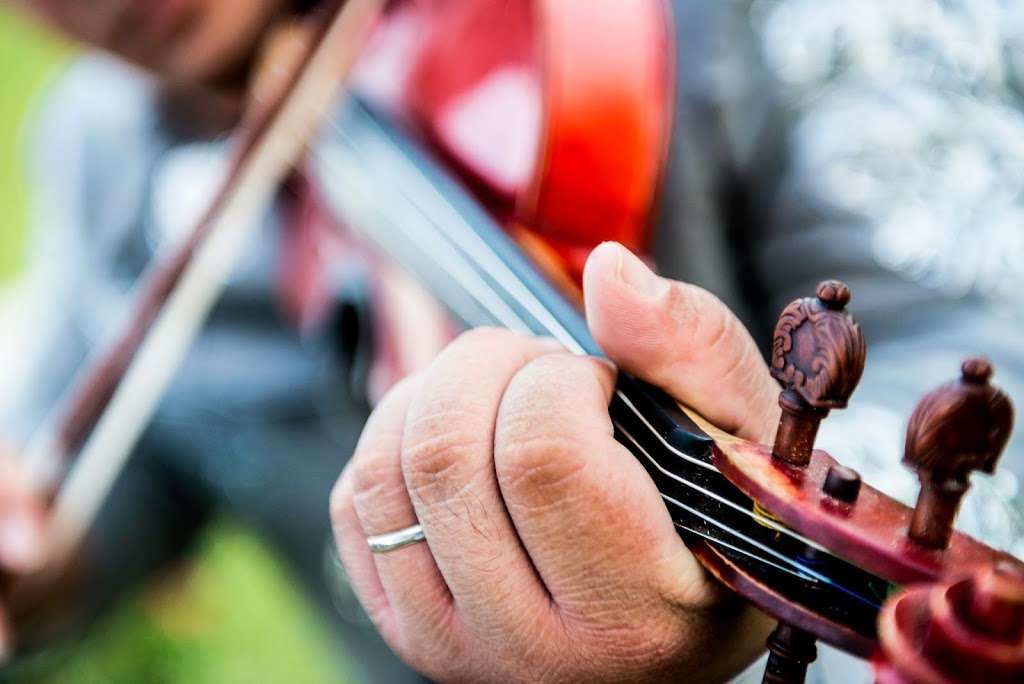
x=196, y=41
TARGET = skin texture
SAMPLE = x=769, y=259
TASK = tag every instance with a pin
x=205, y=42
x=549, y=554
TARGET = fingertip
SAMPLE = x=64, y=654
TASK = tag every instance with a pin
x=611, y=264
x=626, y=305
x=603, y=259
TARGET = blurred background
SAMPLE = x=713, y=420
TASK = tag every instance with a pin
x=232, y=614
x=893, y=153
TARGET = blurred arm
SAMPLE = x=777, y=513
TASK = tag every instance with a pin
x=87, y=244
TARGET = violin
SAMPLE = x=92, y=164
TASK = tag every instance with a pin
x=496, y=228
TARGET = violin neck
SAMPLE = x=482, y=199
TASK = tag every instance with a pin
x=396, y=198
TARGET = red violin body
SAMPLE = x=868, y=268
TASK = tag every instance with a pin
x=556, y=113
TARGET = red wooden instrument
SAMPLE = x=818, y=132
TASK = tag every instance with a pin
x=553, y=119
x=521, y=105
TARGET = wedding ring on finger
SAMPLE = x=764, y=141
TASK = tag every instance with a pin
x=399, y=539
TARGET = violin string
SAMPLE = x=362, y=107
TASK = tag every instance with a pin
x=470, y=280
x=458, y=231
x=760, y=519
x=710, y=519
x=737, y=549
x=482, y=253
x=772, y=552
x=463, y=265
x=410, y=236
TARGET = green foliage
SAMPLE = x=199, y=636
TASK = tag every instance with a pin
x=26, y=56
x=235, y=617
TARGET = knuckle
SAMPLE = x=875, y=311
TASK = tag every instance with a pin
x=371, y=471
x=443, y=651
x=537, y=461
x=532, y=446
x=680, y=308
x=701, y=319
x=547, y=382
x=720, y=330
x=437, y=445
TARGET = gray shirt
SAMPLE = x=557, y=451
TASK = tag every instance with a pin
x=259, y=421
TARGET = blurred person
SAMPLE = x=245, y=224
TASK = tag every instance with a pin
x=129, y=146
x=871, y=142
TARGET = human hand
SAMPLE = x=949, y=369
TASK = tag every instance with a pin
x=21, y=532
x=549, y=554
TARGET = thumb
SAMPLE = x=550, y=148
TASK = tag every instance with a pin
x=680, y=338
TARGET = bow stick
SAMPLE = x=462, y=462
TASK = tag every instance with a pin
x=115, y=396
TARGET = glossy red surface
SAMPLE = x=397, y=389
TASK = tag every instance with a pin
x=870, y=533
x=557, y=113
x=776, y=605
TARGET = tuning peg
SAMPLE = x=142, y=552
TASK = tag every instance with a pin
x=790, y=651
x=996, y=604
x=957, y=428
x=818, y=355
x=969, y=629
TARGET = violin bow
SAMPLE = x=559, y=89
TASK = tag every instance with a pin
x=113, y=399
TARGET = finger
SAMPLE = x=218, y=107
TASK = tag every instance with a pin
x=682, y=339
x=447, y=458
x=357, y=560
x=588, y=514
x=402, y=590
x=22, y=547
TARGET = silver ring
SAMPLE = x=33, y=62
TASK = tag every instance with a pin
x=392, y=541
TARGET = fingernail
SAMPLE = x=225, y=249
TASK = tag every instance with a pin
x=632, y=271
x=21, y=541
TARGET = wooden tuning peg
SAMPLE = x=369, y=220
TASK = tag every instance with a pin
x=818, y=355
x=790, y=651
x=995, y=603
x=955, y=429
x=969, y=629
